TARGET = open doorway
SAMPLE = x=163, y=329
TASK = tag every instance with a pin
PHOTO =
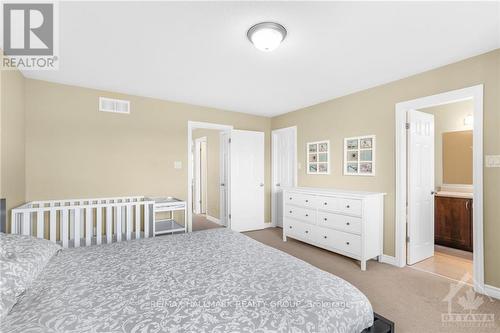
x=208, y=175
x=439, y=185
x=450, y=176
x=209, y=179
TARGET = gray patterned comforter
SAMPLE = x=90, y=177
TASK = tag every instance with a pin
x=208, y=281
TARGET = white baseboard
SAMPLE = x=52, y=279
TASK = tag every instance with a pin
x=213, y=219
x=269, y=225
x=390, y=260
x=491, y=291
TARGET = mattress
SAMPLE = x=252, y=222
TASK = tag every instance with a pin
x=209, y=281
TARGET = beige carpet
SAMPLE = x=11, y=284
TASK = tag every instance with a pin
x=200, y=222
x=413, y=299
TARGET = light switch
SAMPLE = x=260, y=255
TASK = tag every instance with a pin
x=492, y=161
x=177, y=165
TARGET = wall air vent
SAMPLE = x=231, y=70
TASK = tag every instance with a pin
x=113, y=105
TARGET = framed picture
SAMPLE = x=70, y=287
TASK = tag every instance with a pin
x=359, y=156
x=318, y=158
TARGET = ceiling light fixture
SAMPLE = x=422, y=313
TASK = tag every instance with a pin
x=266, y=36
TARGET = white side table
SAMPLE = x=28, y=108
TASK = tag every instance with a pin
x=168, y=225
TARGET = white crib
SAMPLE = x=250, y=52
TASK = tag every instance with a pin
x=84, y=222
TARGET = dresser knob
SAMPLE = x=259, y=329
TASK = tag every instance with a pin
x=307, y=200
x=348, y=223
x=290, y=198
x=307, y=215
x=325, y=219
x=347, y=243
x=326, y=203
x=325, y=237
x=290, y=212
x=290, y=227
x=348, y=206
x=307, y=231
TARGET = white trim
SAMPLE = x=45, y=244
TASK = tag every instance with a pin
x=491, y=291
x=269, y=225
x=213, y=219
x=198, y=181
x=467, y=188
x=273, y=170
x=386, y=259
x=191, y=126
x=476, y=94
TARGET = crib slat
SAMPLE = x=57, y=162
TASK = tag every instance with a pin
x=40, y=223
x=109, y=224
x=88, y=226
x=119, y=224
x=137, y=221
x=64, y=227
x=129, y=221
x=53, y=228
x=98, y=225
x=77, y=227
x=26, y=228
x=146, y=221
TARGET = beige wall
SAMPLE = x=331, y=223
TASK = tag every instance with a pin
x=12, y=138
x=372, y=112
x=213, y=169
x=450, y=118
x=72, y=150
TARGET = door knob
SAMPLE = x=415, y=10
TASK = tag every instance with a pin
x=261, y=184
x=278, y=184
x=222, y=184
x=432, y=192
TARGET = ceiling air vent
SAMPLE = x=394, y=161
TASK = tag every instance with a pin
x=113, y=105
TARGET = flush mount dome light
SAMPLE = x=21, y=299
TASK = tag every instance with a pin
x=266, y=36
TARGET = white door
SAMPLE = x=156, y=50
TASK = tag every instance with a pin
x=199, y=175
x=420, y=186
x=247, y=180
x=223, y=177
x=284, y=172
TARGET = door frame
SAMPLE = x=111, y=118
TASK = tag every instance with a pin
x=199, y=181
x=475, y=93
x=191, y=125
x=224, y=166
x=274, y=171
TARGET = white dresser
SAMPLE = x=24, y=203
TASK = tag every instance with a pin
x=345, y=222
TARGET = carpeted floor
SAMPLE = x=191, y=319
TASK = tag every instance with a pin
x=413, y=299
x=200, y=222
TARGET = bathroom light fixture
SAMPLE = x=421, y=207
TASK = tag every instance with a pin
x=469, y=120
x=266, y=36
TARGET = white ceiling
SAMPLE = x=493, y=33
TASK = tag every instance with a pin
x=198, y=53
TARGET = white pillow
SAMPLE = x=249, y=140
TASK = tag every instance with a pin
x=22, y=258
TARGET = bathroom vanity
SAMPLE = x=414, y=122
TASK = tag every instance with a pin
x=453, y=220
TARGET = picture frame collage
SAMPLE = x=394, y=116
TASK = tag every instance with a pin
x=318, y=157
x=359, y=156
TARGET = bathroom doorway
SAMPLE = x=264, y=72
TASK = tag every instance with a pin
x=439, y=185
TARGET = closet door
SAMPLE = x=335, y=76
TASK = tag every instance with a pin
x=247, y=180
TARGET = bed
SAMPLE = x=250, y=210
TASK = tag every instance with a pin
x=209, y=281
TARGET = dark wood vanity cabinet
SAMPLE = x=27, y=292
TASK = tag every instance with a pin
x=453, y=222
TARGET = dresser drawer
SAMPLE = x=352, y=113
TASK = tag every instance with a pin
x=338, y=221
x=304, y=200
x=343, y=241
x=303, y=214
x=300, y=229
x=349, y=206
